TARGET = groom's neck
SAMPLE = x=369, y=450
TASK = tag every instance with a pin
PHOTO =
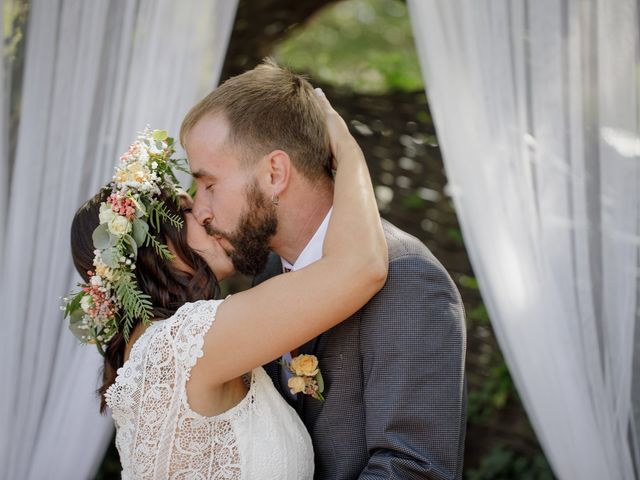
x=300, y=217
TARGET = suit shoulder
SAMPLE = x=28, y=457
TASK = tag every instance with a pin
x=418, y=304
x=402, y=244
x=409, y=257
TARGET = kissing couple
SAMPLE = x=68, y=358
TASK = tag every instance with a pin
x=345, y=360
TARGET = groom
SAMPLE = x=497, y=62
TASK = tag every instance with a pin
x=394, y=376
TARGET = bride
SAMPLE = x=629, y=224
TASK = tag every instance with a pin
x=176, y=361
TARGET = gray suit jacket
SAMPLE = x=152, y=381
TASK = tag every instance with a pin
x=395, y=384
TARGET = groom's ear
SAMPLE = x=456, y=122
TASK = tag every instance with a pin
x=279, y=171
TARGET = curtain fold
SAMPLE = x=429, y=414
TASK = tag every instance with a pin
x=5, y=13
x=536, y=108
x=96, y=72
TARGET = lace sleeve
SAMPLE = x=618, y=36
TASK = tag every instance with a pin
x=190, y=332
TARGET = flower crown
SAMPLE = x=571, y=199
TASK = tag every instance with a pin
x=112, y=300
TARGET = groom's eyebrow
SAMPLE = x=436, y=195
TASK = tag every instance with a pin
x=202, y=174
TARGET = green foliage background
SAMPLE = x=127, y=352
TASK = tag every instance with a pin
x=363, y=45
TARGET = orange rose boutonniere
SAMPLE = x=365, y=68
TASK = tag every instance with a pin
x=307, y=378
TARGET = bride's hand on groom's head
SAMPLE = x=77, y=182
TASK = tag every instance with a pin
x=339, y=135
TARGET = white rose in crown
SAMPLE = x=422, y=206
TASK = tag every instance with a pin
x=86, y=303
x=136, y=172
x=119, y=225
x=106, y=213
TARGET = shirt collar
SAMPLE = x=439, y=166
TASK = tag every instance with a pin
x=312, y=252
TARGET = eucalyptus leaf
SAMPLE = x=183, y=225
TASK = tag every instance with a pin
x=75, y=325
x=76, y=316
x=141, y=209
x=101, y=237
x=320, y=381
x=160, y=135
x=131, y=243
x=113, y=239
x=73, y=304
x=140, y=229
x=110, y=257
x=78, y=332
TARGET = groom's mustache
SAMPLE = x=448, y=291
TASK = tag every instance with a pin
x=214, y=232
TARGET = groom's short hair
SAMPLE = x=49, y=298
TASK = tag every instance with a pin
x=270, y=108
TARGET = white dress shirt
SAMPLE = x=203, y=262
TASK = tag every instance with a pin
x=312, y=252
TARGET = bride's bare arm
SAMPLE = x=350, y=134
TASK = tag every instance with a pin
x=260, y=324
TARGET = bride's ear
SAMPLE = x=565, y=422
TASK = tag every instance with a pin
x=279, y=165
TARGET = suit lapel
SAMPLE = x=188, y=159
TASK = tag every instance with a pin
x=273, y=268
x=310, y=347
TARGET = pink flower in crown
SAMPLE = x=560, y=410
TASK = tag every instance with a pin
x=122, y=205
x=133, y=151
x=101, y=305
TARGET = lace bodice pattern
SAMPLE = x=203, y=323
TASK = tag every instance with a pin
x=159, y=436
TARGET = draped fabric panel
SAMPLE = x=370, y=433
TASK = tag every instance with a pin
x=536, y=108
x=96, y=72
x=4, y=119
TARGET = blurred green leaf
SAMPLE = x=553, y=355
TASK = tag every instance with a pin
x=480, y=315
x=414, y=202
x=456, y=235
x=506, y=464
x=468, y=282
x=423, y=117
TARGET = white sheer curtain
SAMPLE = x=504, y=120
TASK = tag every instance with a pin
x=96, y=72
x=536, y=108
x=4, y=119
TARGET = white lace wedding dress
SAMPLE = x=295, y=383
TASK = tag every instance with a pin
x=159, y=436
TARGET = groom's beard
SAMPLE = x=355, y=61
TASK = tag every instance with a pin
x=250, y=242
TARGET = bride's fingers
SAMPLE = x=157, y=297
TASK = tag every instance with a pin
x=336, y=126
x=324, y=102
x=320, y=93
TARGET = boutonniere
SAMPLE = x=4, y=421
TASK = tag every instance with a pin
x=307, y=378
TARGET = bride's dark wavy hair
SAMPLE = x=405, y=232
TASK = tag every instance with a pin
x=168, y=287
